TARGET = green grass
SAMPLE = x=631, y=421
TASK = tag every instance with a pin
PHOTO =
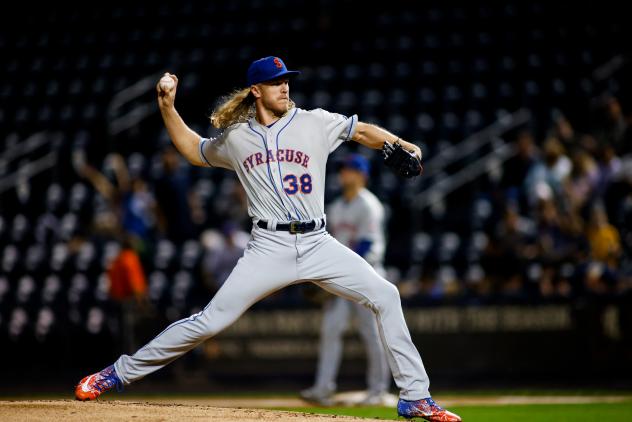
x=614, y=412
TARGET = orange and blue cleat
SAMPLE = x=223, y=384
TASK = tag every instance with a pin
x=98, y=383
x=427, y=409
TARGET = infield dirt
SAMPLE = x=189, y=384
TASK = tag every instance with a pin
x=69, y=410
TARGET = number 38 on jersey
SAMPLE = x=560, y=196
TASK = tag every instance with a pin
x=292, y=184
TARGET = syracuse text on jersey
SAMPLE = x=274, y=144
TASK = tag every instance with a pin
x=282, y=156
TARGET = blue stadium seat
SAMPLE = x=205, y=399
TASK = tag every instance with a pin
x=45, y=114
x=429, y=68
x=351, y=72
x=481, y=65
x=321, y=97
x=473, y=121
x=425, y=122
x=99, y=85
x=346, y=100
x=76, y=87
x=30, y=90
x=397, y=97
x=397, y=123
x=455, y=67
x=531, y=88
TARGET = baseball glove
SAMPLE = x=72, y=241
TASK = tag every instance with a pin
x=401, y=161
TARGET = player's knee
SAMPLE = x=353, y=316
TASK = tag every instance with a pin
x=389, y=296
x=212, y=321
x=389, y=291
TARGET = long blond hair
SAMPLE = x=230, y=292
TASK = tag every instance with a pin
x=236, y=107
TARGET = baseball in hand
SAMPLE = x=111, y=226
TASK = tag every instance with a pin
x=166, y=83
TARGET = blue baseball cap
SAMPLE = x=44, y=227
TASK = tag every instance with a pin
x=266, y=69
x=357, y=162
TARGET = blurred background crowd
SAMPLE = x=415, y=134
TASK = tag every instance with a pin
x=523, y=115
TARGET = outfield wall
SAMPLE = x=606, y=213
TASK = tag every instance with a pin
x=471, y=344
x=555, y=345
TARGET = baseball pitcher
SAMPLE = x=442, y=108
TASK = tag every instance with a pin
x=279, y=153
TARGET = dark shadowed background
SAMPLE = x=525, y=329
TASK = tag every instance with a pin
x=512, y=253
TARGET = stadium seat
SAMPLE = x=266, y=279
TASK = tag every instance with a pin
x=44, y=322
x=475, y=274
x=95, y=320
x=102, y=289
x=77, y=291
x=183, y=282
x=165, y=255
x=421, y=245
x=4, y=288
x=35, y=258
x=18, y=322
x=58, y=256
x=191, y=254
x=110, y=250
x=157, y=286
x=86, y=258
x=78, y=197
x=10, y=258
x=448, y=246
x=50, y=290
x=68, y=226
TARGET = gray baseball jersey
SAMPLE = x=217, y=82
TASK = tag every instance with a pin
x=362, y=218
x=283, y=180
x=282, y=168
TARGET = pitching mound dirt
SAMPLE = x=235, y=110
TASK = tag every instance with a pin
x=68, y=410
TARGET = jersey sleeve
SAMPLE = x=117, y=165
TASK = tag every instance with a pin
x=214, y=152
x=338, y=128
